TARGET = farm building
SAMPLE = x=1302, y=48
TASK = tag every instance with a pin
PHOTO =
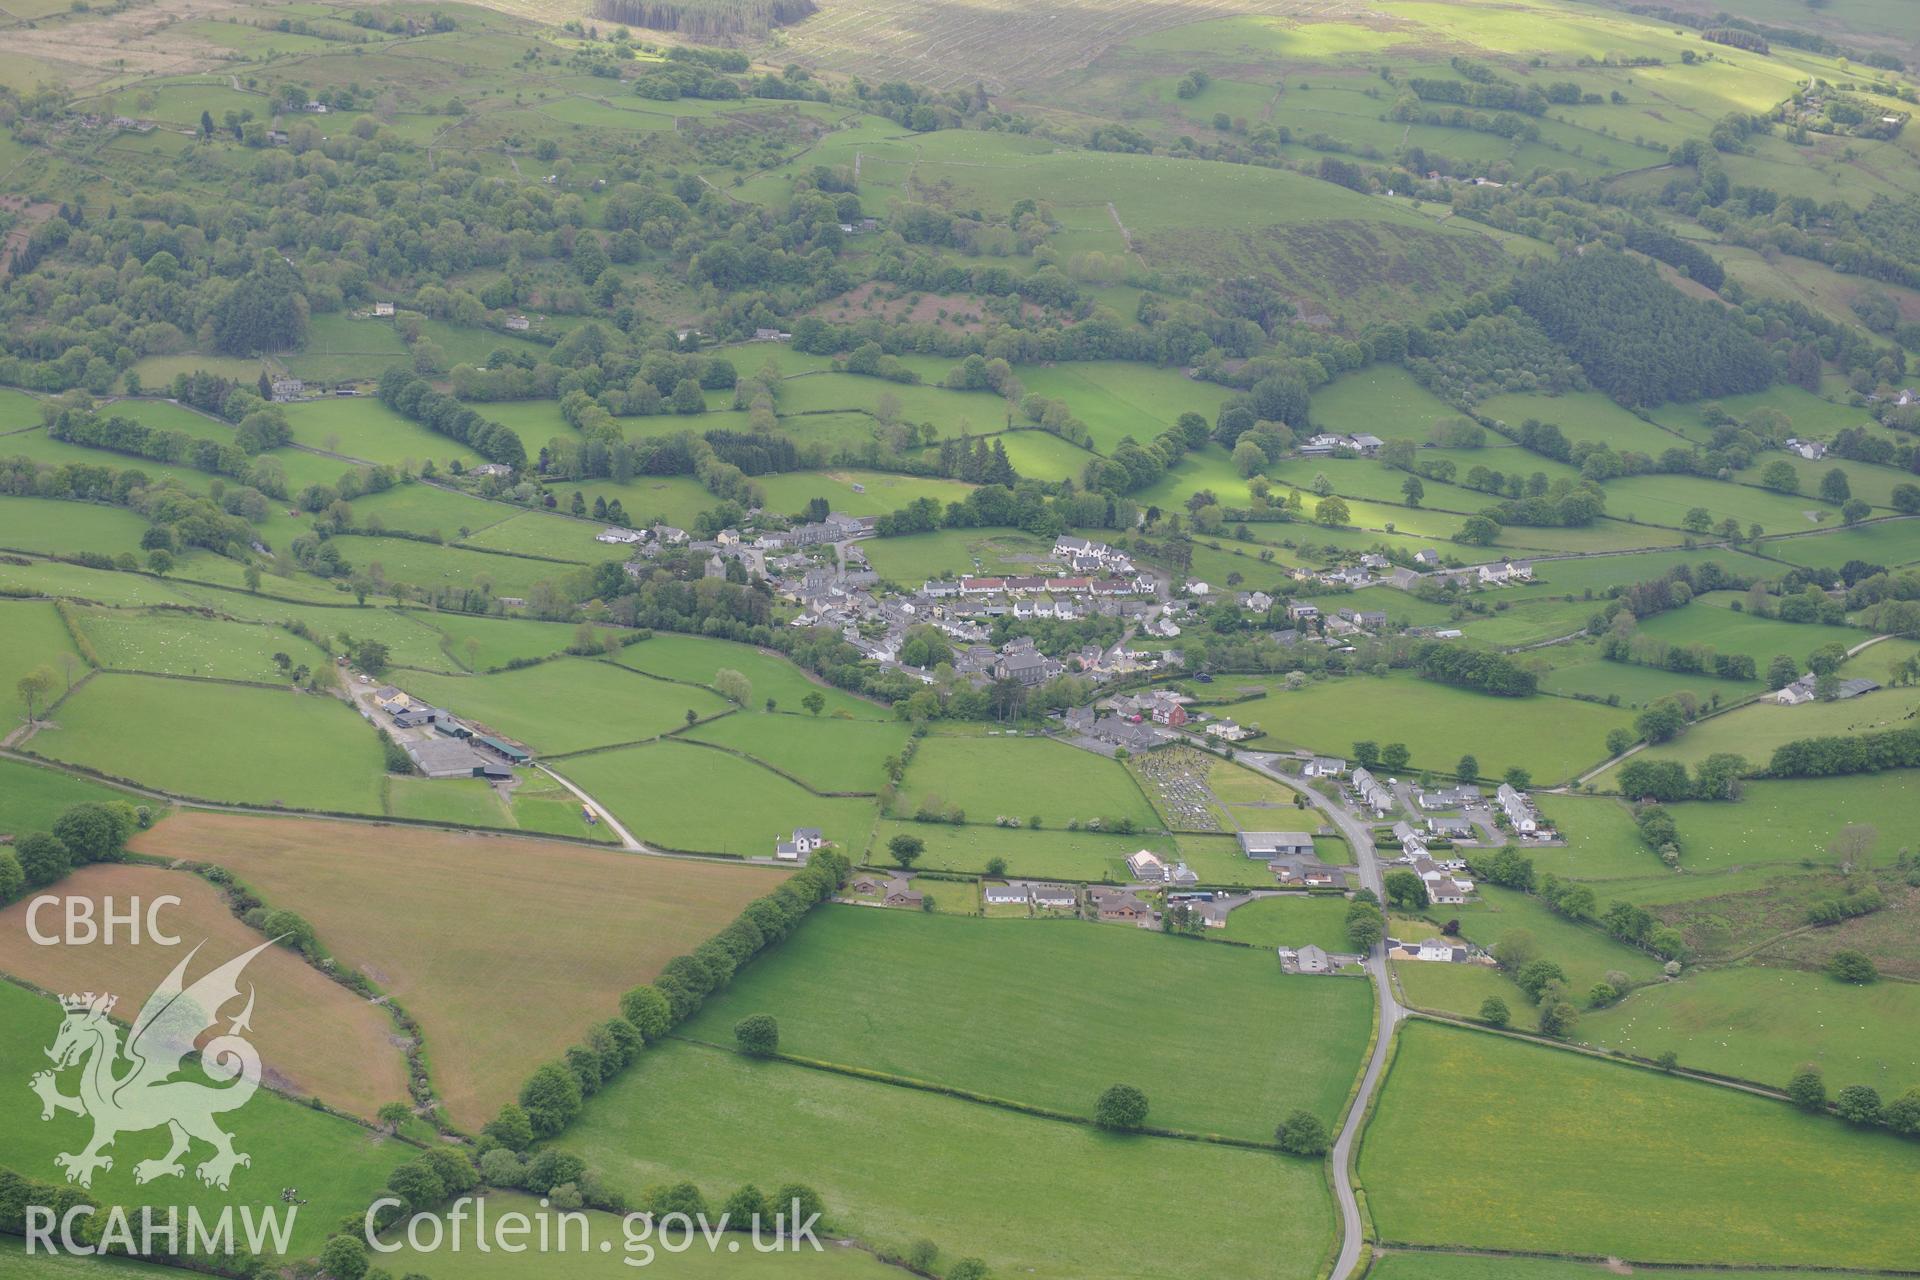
x=518, y=755
x=1276, y=844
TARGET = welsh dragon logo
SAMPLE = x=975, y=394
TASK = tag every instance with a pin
x=131, y=1088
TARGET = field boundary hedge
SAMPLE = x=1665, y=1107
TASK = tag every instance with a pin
x=679, y=736
x=985, y=1099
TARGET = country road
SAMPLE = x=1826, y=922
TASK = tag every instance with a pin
x=1358, y=835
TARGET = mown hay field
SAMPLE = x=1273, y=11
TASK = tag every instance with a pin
x=430, y=914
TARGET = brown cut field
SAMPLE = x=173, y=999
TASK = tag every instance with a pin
x=316, y=1038
x=504, y=948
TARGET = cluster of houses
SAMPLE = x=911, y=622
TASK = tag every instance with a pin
x=1503, y=573
x=1520, y=812
x=1370, y=792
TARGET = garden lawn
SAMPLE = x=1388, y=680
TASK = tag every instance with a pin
x=1762, y=1024
x=1028, y=1196
x=423, y=912
x=1021, y=778
x=1552, y=737
x=1584, y=1156
x=337, y=1165
x=1291, y=920
x=697, y=659
x=234, y=744
x=696, y=799
x=826, y=754
x=570, y=704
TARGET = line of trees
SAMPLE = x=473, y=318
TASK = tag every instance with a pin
x=1474, y=669
x=1832, y=755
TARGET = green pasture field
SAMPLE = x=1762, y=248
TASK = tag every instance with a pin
x=1584, y=951
x=688, y=1112
x=411, y=640
x=32, y=796
x=470, y=802
x=1291, y=920
x=16, y=1264
x=1579, y=671
x=1763, y=1023
x=497, y=641
x=1527, y=621
x=1602, y=841
x=249, y=744
x=697, y=659
x=1583, y=1156
x=1381, y=400
x=1236, y=784
x=1597, y=573
x=827, y=1263
x=1879, y=661
x=881, y=492
x=1756, y=729
x=179, y=644
x=32, y=636
x=828, y=754
x=909, y=561
x=1865, y=481
x=47, y=525
x=1045, y=456
x=169, y=415
x=1553, y=737
x=1808, y=414
x=956, y=412
x=542, y=806
x=1890, y=542
x=52, y=578
x=336, y=1164
x=425, y=508
x=538, y=533
x=1759, y=638
x=362, y=427
x=1019, y=778
x=1584, y=415
x=1407, y=1264
x=1666, y=499
x=1050, y=853
x=428, y=565
x=1276, y=1042
x=570, y=704
x=1116, y=400
x=700, y=800
x=1457, y=988
x=1795, y=821
x=675, y=500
